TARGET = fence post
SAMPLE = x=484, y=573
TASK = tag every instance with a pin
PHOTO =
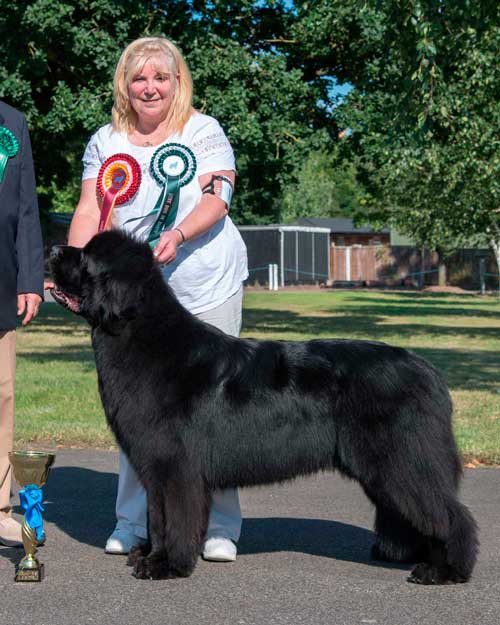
x=421, y=278
x=348, y=263
x=482, y=265
x=273, y=277
x=282, y=257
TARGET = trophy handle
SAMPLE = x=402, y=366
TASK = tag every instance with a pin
x=29, y=542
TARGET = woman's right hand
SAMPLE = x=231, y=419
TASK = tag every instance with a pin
x=166, y=249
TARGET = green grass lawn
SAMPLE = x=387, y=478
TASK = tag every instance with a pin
x=58, y=402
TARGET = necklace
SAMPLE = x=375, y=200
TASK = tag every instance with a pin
x=148, y=140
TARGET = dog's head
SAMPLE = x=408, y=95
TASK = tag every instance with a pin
x=105, y=281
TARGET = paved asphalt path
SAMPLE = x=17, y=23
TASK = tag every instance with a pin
x=303, y=558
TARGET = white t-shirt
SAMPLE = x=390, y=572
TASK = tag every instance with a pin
x=210, y=268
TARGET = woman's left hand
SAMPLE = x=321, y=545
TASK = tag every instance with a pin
x=166, y=250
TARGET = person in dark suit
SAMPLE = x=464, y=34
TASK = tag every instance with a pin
x=21, y=282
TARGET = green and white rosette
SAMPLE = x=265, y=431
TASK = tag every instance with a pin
x=9, y=147
x=172, y=166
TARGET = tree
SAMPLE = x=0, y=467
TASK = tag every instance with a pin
x=424, y=119
x=325, y=187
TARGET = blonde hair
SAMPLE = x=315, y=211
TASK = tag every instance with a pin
x=133, y=58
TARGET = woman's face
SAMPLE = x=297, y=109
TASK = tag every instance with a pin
x=151, y=91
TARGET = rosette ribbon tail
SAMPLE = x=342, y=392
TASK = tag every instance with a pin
x=108, y=203
x=166, y=207
x=31, y=501
x=4, y=159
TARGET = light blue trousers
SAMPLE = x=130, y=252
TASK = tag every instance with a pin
x=225, y=514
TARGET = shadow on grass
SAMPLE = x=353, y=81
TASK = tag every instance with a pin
x=412, y=309
x=57, y=321
x=463, y=368
x=366, y=306
x=355, y=324
x=53, y=317
x=398, y=310
x=65, y=353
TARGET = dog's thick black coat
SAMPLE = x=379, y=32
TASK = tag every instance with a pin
x=196, y=410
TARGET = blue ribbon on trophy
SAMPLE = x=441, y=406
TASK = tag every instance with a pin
x=31, y=498
x=9, y=147
x=173, y=166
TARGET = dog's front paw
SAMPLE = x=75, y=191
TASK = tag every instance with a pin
x=137, y=551
x=152, y=568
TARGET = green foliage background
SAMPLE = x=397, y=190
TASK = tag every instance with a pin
x=421, y=149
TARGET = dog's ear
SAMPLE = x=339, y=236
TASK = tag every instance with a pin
x=120, y=303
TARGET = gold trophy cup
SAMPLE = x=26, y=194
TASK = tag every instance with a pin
x=31, y=469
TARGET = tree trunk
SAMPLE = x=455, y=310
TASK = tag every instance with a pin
x=441, y=269
x=422, y=269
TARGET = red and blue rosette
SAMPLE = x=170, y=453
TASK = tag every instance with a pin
x=117, y=182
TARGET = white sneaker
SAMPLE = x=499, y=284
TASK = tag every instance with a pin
x=121, y=542
x=219, y=550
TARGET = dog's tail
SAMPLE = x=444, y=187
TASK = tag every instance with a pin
x=462, y=545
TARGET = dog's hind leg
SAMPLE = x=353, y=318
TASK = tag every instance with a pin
x=396, y=540
x=183, y=508
x=434, y=521
x=452, y=557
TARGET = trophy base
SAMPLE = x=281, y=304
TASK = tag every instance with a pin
x=29, y=575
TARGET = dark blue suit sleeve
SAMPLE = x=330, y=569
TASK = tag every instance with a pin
x=29, y=242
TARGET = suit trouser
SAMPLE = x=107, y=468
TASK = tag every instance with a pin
x=225, y=514
x=7, y=379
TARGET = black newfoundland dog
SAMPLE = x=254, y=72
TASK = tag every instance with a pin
x=196, y=410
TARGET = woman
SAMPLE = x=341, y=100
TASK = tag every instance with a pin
x=186, y=170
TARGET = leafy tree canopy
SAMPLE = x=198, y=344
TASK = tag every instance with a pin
x=325, y=187
x=425, y=118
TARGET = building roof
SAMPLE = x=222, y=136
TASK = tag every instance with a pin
x=287, y=228
x=340, y=225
